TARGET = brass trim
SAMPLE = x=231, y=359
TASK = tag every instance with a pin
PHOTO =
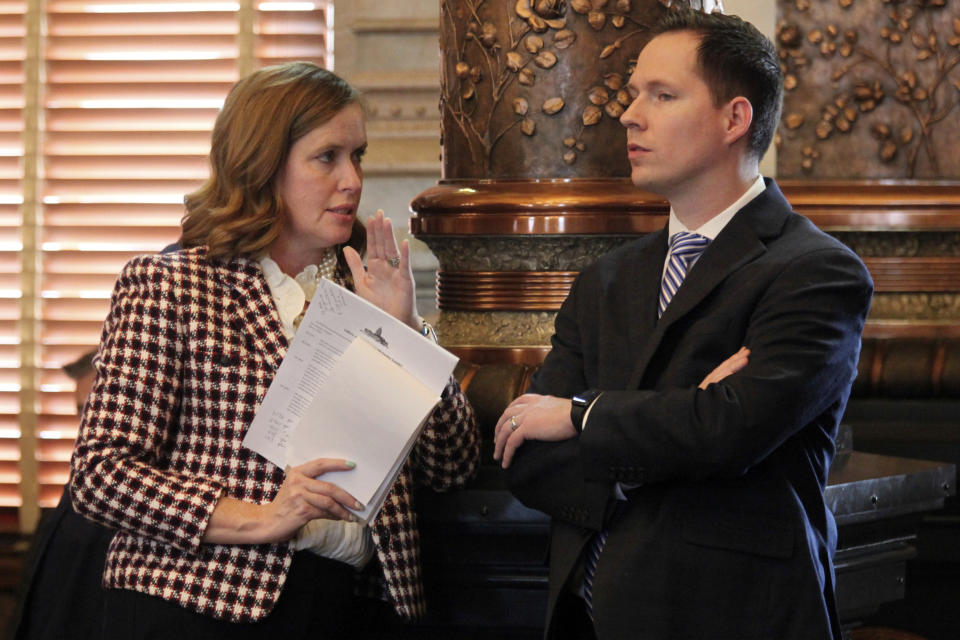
x=536, y=207
x=876, y=205
x=615, y=206
x=546, y=290
x=885, y=330
x=908, y=275
x=476, y=354
x=503, y=290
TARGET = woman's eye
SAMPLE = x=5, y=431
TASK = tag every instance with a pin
x=663, y=97
x=326, y=156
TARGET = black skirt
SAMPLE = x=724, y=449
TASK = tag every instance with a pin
x=62, y=592
x=317, y=602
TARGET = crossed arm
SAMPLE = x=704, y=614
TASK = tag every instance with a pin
x=539, y=417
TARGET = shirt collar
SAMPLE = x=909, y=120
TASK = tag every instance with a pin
x=291, y=294
x=712, y=227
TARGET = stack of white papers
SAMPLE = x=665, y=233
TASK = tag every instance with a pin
x=357, y=384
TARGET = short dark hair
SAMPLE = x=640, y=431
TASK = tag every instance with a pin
x=734, y=59
x=80, y=366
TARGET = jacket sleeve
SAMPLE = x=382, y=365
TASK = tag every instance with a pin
x=448, y=449
x=562, y=373
x=804, y=339
x=131, y=418
x=549, y=476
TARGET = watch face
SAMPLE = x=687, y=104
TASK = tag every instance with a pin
x=584, y=399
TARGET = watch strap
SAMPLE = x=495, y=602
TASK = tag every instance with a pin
x=579, y=405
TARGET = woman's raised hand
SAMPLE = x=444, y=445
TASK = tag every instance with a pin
x=388, y=279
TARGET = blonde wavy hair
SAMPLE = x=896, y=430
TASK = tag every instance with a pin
x=238, y=210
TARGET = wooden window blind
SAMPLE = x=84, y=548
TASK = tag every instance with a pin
x=94, y=172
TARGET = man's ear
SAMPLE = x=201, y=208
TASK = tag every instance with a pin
x=739, y=118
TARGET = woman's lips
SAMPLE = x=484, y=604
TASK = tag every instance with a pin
x=345, y=210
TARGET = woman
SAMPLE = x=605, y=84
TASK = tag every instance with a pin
x=208, y=530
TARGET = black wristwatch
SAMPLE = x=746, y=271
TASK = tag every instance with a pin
x=579, y=405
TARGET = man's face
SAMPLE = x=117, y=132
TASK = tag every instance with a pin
x=84, y=384
x=674, y=129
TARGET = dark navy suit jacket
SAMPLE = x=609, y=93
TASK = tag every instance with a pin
x=725, y=533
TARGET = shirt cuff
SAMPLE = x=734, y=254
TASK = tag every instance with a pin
x=586, y=414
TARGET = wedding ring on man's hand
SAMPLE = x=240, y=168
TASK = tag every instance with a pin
x=394, y=262
x=513, y=423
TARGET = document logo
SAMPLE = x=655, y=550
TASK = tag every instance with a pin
x=377, y=336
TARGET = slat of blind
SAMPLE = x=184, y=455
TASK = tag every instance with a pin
x=109, y=97
x=11, y=25
x=92, y=215
x=136, y=6
x=9, y=315
x=84, y=164
x=113, y=191
x=116, y=71
x=181, y=47
x=9, y=165
x=186, y=119
x=149, y=26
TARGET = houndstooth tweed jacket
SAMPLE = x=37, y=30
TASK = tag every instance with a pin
x=187, y=352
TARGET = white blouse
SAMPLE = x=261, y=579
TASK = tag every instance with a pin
x=348, y=542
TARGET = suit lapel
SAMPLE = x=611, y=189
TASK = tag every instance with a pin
x=251, y=309
x=642, y=282
x=740, y=242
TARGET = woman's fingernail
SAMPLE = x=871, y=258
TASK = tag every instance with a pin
x=350, y=464
x=357, y=505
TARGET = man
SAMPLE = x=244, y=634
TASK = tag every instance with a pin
x=685, y=478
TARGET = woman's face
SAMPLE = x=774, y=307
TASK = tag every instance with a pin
x=320, y=186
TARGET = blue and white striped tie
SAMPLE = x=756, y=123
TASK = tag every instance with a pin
x=594, y=549
x=685, y=247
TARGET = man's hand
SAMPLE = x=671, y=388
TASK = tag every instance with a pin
x=531, y=417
